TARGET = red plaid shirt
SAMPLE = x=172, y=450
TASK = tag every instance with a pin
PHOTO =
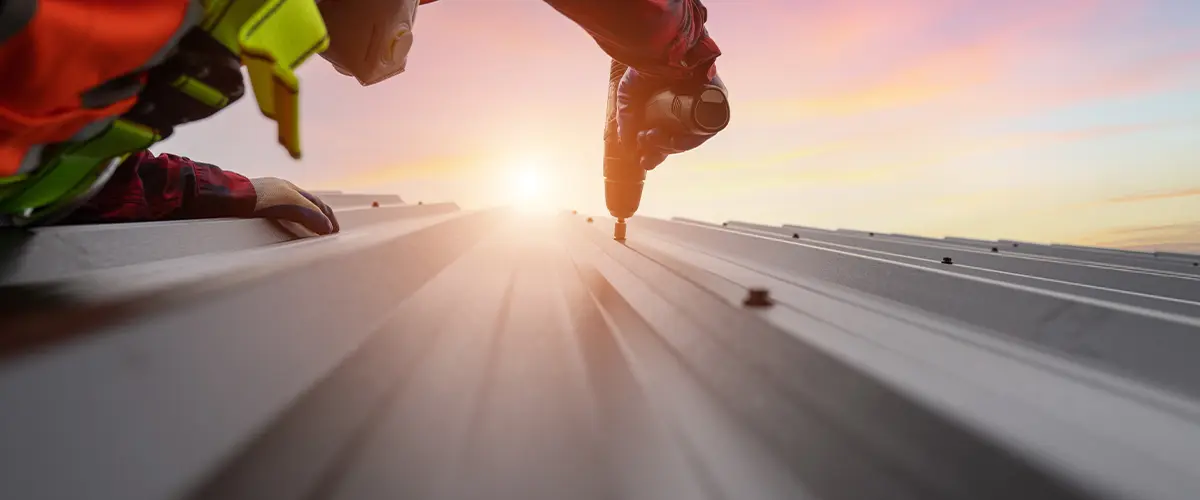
x=658, y=37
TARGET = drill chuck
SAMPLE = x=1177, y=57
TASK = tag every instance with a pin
x=699, y=110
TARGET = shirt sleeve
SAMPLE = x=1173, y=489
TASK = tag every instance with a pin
x=664, y=38
x=146, y=187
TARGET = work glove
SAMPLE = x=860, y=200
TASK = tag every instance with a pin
x=280, y=199
x=651, y=145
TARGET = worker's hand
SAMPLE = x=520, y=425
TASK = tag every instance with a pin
x=651, y=145
x=280, y=199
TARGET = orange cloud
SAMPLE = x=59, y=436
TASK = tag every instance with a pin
x=777, y=159
x=1162, y=195
x=1184, y=237
x=840, y=163
x=935, y=76
x=965, y=148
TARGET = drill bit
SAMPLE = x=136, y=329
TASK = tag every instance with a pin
x=619, y=230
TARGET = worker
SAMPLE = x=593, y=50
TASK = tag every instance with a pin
x=94, y=96
x=87, y=86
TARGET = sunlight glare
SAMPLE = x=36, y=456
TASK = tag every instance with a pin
x=529, y=186
x=529, y=190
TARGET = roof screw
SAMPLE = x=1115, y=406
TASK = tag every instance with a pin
x=574, y=212
x=420, y=203
x=374, y=204
x=589, y=220
x=1015, y=245
x=724, y=224
x=1195, y=264
x=947, y=260
x=994, y=249
x=871, y=234
x=795, y=235
x=758, y=297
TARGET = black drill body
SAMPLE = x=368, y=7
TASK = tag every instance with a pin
x=702, y=110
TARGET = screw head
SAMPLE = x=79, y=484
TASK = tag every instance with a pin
x=420, y=203
x=758, y=297
x=589, y=219
x=795, y=235
x=374, y=204
x=724, y=224
x=947, y=260
x=871, y=234
x=1015, y=245
x=994, y=249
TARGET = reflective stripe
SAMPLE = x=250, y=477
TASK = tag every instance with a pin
x=76, y=165
x=200, y=91
x=272, y=38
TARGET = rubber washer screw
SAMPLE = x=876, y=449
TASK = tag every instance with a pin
x=758, y=297
x=795, y=235
x=947, y=260
x=1015, y=245
x=420, y=203
x=374, y=204
x=589, y=220
x=574, y=212
x=994, y=249
x=870, y=234
x=724, y=224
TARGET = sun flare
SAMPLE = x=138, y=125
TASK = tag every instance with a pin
x=529, y=187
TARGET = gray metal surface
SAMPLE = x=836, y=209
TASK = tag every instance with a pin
x=1140, y=321
x=343, y=200
x=57, y=252
x=504, y=355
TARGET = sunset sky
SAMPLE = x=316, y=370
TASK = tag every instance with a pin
x=1051, y=120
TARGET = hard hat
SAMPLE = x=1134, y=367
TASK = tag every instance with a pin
x=369, y=39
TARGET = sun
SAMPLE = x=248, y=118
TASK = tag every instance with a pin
x=529, y=188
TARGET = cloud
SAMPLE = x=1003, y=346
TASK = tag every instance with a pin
x=936, y=76
x=1181, y=237
x=856, y=162
x=773, y=160
x=1163, y=72
x=952, y=68
x=969, y=147
x=1161, y=195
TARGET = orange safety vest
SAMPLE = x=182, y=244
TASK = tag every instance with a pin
x=74, y=63
x=71, y=72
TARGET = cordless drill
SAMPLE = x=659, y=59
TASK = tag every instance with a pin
x=702, y=110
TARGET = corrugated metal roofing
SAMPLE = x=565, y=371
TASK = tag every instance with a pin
x=494, y=354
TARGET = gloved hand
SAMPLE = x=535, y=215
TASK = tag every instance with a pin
x=651, y=145
x=280, y=199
